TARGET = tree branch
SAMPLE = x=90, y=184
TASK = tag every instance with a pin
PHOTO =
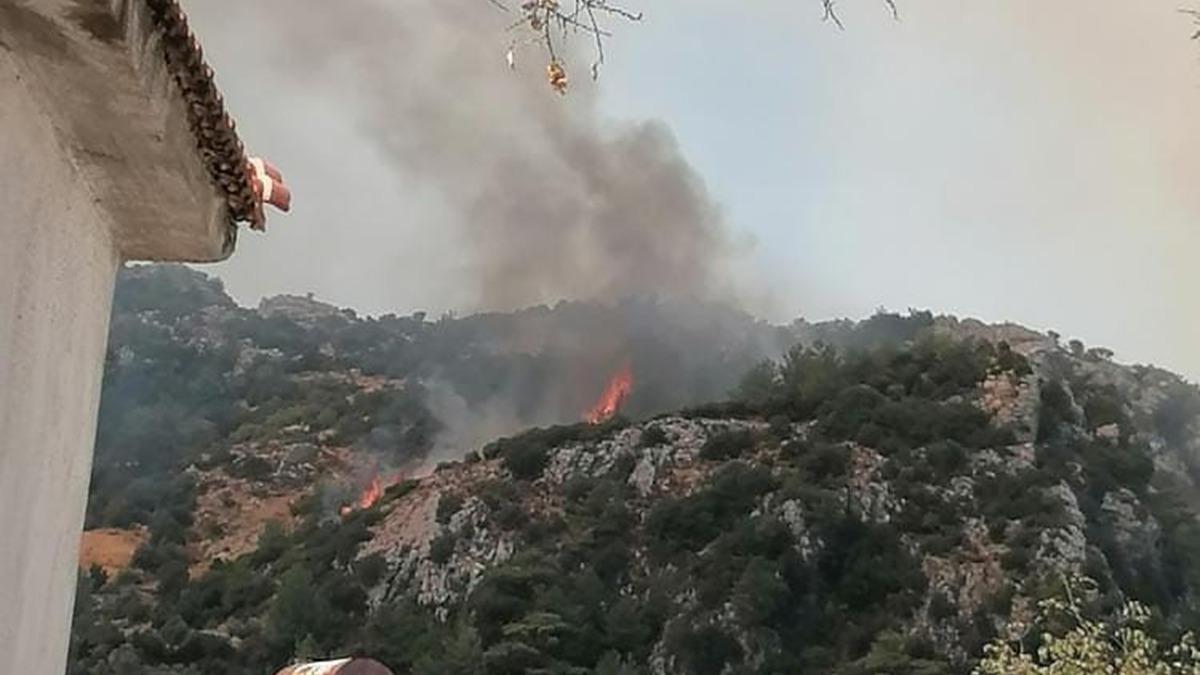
x=588, y=17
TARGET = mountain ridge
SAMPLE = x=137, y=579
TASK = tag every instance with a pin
x=887, y=505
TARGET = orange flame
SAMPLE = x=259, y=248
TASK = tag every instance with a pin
x=613, y=398
x=373, y=492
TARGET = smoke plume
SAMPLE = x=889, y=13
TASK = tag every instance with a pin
x=537, y=197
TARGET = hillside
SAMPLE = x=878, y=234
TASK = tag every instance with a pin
x=190, y=373
x=884, y=497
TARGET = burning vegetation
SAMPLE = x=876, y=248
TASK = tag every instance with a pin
x=615, y=393
x=881, y=486
x=375, y=489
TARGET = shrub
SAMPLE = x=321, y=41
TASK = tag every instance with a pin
x=370, y=570
x=693, y=521
x=652, y=436
x=1056, y=409
x=442, y=547
x=1103, y=406
x=1009, y=361
x=526, y=462
x=780, y=427
x=511, y=516
x=1072, y=642
x=727, y=444
x=947, y=458
x=252, y=467
x=941, y=607
x=827, y=461
x=706, y=650
x=449, y=504
x=1177, y=413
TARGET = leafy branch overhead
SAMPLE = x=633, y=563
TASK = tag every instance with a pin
x=548, y=23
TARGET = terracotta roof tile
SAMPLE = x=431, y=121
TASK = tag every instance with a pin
x=216, y=134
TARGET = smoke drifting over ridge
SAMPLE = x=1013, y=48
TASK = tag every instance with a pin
x=537, y=199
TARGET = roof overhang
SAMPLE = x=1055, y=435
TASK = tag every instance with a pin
x=136, y=111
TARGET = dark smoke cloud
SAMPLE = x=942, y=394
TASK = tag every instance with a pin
x=542, y=198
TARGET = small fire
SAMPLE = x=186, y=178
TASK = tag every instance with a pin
x=613, y=398
x=373, y=492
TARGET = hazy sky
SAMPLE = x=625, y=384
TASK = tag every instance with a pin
x=1015, y=160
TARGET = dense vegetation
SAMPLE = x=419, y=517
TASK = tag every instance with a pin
x=822, y=496
x=189, y=372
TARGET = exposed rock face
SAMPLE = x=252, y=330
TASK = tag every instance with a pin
x=1136, y=532
x=1021, y=339
x=410, y=528
x=301, y=309
x=971, y=576
x=1063, y=549
x=1012, y=402
x=869, y=494
x=916, y=496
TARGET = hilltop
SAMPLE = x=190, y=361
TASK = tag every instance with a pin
x=874, y=497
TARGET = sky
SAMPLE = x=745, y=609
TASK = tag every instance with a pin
x=1023, y=160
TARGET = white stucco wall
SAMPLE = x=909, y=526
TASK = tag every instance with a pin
x=57, y=265
x=98, y=164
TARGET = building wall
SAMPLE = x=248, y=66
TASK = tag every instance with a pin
x=100, y=160
x=57, y=266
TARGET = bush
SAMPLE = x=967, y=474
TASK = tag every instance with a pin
x=442, y=547
x=780, y=427
x=1009, y=361
x=706, y=650
x=1177, y=413
x=653, y=436
x=526, y=462
x=1069, y=641
x=370, y=570
x=941, y=607
x=1057, y=409
x=252, y=467
x=1103, y=406
x=826, y=461
x=448, y=504
x=691, y=522
x=947, y=458
x=1017, y=558
x=728, y=444
x=525, y=455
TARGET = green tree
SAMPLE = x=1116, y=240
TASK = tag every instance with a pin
x=1085, y=646
x=297, y=611
x=462, y=655
x=760, y=384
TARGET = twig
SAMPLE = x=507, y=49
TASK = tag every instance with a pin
x=832, y=15
x=1195, y=14
x=586, y=16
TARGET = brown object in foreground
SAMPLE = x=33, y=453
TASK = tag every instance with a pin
x=339, y=667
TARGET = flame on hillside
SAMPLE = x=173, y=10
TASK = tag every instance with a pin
x=373, y=492
x=615, y=393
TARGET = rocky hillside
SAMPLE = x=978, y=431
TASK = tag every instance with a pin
x=884, y=500
x=192, y=374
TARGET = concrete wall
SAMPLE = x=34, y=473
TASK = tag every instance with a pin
x=98, y=163
x=96, y=70
x=57, y=265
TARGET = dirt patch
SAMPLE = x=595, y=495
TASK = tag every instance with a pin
x=95, y=17
x=110, y=549
x=230, y=517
